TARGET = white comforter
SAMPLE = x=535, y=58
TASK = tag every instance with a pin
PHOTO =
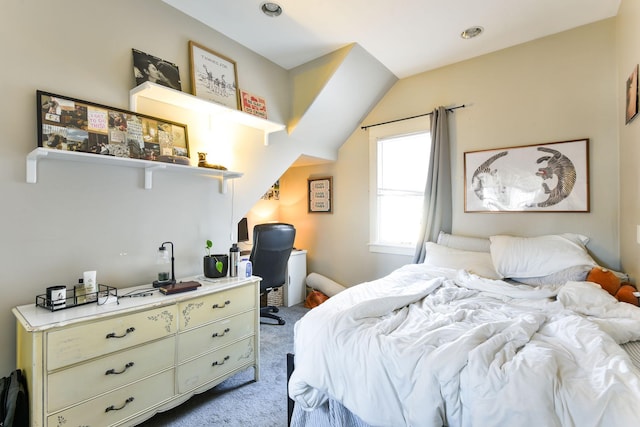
x=434, y=347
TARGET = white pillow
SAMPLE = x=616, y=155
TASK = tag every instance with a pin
x=538, y=256
x=474, y=262
x=577, y=273
x=466, y=243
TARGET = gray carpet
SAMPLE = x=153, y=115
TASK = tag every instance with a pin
x=239, y=401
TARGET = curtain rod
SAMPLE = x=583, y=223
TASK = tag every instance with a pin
x=408, y=118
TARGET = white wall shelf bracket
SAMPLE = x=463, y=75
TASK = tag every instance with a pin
x=32, y=165
x=148, y=175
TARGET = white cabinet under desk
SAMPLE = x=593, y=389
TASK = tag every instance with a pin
x=119, y=364
x=295, y=288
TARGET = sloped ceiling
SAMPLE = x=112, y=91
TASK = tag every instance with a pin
x=332, y=95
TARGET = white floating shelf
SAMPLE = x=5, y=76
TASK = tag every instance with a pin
x=148, y=166
x=190, y=102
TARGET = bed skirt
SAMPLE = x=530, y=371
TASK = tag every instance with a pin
x=633, y=350
x=331, y=414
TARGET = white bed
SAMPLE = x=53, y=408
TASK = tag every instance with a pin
x=440, y=344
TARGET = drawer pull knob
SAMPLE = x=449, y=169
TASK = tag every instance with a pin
x=128, y=331
x=220, y=335
x=113, y=408
x=114, y=372
x=216, y=363
x=226, y=303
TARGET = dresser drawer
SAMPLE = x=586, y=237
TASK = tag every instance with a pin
x=76, y=344
x=118, y=405
x=90, y=379
x=214, y=365
x=214, y=335
x=199, y=311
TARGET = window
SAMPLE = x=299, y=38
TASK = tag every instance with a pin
x=399, y=164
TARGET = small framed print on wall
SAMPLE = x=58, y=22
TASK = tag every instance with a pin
x=320, y=195
x=632, y=96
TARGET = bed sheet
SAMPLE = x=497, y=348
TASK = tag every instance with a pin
x=432, y=346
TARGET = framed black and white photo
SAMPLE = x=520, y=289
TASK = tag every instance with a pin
x=71, y=124
x=213, y=76
x=320, y=195
x=148, y=68
x=550, y=177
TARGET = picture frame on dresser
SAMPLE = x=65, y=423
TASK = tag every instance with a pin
x=214, y=77
x=70, y=124
x=551, y=177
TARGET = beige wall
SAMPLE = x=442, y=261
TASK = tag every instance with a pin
x=558, y=88
x=628, y=57
x=83, y=217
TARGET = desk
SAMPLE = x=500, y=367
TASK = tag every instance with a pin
x=295, y=288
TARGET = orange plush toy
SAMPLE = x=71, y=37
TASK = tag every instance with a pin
x=623, y=291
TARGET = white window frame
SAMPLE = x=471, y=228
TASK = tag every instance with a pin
x=404, y=127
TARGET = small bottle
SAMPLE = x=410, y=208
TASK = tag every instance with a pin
x=234, y=255
x=80, y=292
x=244, y=268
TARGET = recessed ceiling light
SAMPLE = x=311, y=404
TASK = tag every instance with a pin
x=271, y=9
x=471, y=32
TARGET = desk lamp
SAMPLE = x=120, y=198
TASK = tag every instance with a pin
x=163, y=265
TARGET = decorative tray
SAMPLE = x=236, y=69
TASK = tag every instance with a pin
x=76, y=299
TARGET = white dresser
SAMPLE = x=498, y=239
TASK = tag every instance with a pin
x=118, y=364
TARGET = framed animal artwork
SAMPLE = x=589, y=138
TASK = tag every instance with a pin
x=551, y=177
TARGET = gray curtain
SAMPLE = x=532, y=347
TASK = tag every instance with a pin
x=436, y=211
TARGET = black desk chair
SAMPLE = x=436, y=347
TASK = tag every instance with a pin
x=272, y=245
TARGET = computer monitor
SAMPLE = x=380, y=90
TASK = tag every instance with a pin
x=243, y=231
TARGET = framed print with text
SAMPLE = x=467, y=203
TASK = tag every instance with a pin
x=214, y=77
x=320, y=195
x=253, y=104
